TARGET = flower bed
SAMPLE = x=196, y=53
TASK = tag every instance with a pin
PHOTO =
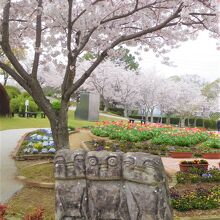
x=201, y=198
x=186, y=165
x=38, y=144
x=129, y=131
x=125, y=146
x=196, y=189
x=211, y=148
x=198, y=176
x=152, y=137
x=181, y=137
x=39, y=141
x=160, y=134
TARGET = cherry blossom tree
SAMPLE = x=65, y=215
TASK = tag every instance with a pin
x=126, y=90
x=150, y=92
x=115, y=83
x=49, y=29
x=187, y=101
x=104, y=81
x=167, y=98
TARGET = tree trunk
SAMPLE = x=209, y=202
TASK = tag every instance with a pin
x=203, y=123
x=59, y=127
x=182, y=122
x=167, y=120
x=151, y=116
x=195, y=122
x=125, y=112
x=105, y=102
x=105, y=108
x=188, y=122
x=146, y=115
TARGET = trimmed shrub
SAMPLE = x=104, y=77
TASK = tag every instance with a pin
x=117, y=111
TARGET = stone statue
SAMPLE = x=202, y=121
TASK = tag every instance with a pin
x=71, y=193
x=145, y=187
x=110, y=186
x=106, y=197
x=60, y=165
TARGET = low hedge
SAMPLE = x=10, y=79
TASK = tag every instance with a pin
x=208, y=123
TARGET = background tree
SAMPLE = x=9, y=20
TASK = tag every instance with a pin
x=103, y=81
x=188, y=100
x=212, y=90
x=126, y=90
x=149, y=93
x=167, y=98
x=49, y=29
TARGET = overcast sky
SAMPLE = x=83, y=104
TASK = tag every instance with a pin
x=199, y=57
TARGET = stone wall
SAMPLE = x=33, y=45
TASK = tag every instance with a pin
x=110, y=186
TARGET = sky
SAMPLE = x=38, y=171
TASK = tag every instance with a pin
x=199, y=57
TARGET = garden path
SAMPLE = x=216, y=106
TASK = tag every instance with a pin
x=83, y=135
x=8, y=141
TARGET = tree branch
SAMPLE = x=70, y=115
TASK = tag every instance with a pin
x=14, y=74
x=87, y=37
x=136, y=9
x=37, y=40
x=5, y=42
x=102, y=56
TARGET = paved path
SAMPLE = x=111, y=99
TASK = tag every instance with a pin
x=172, y=164
x=8, y=142
x=113, y=116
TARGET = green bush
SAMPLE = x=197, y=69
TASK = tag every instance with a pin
x=117, y=111
x=210, y=123
x=17, y=104
x=56, y=105
x=12, y=91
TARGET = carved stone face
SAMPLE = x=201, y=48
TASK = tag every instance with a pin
x=103, y=165
x=141, y=168
x=60, y=164
x=70, y=164
x=76, y=164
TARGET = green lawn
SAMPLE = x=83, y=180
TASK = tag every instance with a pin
x=32, y=171
x=19, y=122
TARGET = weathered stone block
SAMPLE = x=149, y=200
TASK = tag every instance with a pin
x=110, y=186
x=88, y=107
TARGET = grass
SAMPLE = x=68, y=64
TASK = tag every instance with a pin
x=19, y=122
x=39, y=173
x=28, y=199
